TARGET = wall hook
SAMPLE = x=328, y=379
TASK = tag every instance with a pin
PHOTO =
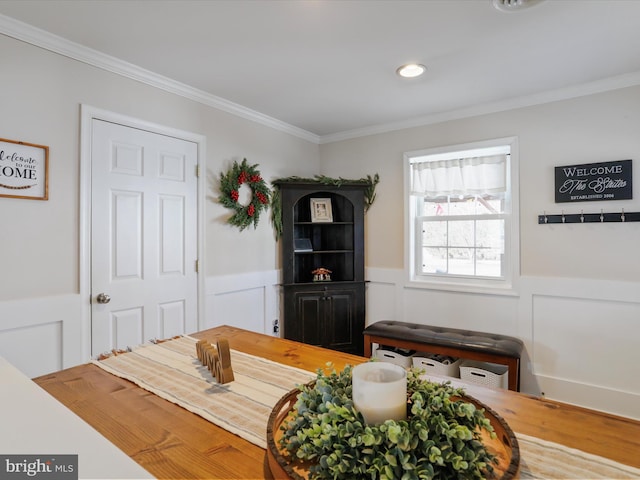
x=593, y=217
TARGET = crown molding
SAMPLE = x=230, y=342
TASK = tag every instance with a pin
x=29, y=34
x=590, y=88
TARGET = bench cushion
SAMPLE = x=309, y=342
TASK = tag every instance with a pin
x=448, y=337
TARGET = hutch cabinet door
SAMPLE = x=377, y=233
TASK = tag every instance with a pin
x=329, y=317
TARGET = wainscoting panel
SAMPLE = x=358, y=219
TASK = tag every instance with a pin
x=583, y=342
x=587, y=341
x=488, y=313
x=43, y=335
x=250, y=301
x=381, y=302
x=33, y=347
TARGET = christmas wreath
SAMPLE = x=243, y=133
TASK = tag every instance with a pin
x=230, y=183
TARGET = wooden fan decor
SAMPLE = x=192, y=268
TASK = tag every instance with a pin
x=217, y=359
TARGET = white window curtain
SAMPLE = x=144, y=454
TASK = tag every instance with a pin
x=461, y=176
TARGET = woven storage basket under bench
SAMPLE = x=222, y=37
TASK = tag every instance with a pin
x=481, y=346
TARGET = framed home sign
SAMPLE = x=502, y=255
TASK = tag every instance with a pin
x=24, y=170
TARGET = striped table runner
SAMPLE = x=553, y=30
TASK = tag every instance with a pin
x=171, y=370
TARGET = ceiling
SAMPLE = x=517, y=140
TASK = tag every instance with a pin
x=328, y=67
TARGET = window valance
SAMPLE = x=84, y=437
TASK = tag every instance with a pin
x=459, y=176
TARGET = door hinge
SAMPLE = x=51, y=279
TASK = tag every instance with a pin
x=197, y=266
x=198, y=171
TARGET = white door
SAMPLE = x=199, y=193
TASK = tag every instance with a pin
x=143, y=236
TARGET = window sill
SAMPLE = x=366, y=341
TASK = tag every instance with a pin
x=465, y=286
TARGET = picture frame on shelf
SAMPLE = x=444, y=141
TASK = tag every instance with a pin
x=321, y=210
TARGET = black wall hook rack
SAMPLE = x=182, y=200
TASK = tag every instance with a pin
x=581, y=217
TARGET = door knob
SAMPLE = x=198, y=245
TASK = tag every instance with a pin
x=103, y=298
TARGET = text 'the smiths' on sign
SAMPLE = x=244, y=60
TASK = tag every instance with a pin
x=594, y=182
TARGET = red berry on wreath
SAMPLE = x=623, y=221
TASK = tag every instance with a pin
x=251, y=210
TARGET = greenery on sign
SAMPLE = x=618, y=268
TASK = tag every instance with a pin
x=230, y=183
x=439, y=440
x=276, y=202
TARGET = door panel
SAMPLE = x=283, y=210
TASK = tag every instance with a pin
x=172, y=318
x=126, y=326
x=144, y=236
x=172, y=235
x=126, y=226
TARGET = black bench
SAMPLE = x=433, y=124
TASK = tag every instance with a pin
x=485, y=347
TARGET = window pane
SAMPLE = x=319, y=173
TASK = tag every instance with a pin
x=461, y=261
x=488, y=204
x=434, y=234
x=461, y=233
x=434, y=260
x=489, y=263
x=490, y=233
x=462, y=205
x=432, y=208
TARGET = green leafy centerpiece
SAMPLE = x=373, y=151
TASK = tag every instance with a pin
x=443, y=436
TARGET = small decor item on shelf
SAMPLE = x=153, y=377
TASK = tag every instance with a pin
x=321, y=274
x=230, y=183
x=217, y=359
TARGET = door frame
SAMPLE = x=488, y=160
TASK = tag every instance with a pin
x=87, y=115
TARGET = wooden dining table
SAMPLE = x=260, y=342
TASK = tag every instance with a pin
x=173, y=443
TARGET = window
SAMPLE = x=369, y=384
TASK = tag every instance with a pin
x=462, y=228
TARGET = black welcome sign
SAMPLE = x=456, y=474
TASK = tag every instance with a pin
x=594, y=181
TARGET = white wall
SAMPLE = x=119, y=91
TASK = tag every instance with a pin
x=41, y=324
x=578, y=308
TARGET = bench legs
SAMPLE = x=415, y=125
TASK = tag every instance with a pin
x=511, y=362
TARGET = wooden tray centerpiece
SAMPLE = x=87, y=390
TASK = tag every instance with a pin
x=315, y=432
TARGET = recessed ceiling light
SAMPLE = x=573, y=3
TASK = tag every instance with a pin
x=411, y=70
x=513, y=5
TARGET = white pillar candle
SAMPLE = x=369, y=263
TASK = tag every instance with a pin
x=380, y=391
